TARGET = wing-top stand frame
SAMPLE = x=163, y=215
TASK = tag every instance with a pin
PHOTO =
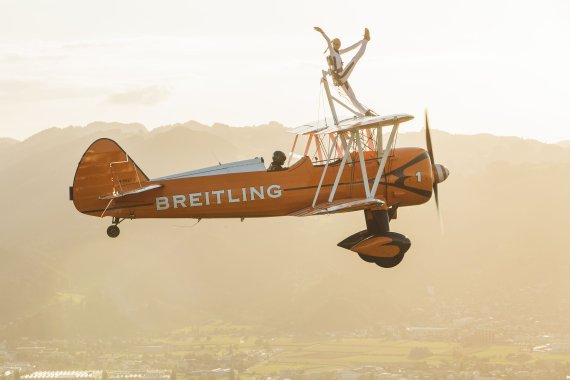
x=351, y=139
x=355, y=138
x=332, y=100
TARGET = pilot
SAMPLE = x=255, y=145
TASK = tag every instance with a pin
x=340, y=73
x=278, y=161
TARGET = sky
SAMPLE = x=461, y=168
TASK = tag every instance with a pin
x=498, y=67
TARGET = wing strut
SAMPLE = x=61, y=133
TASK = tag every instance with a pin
x=347, y=142
x=383, y=152
x=329, y=156
x=342, y=163
x=292, y=150
x=363, y=166
x=385, y=155
x=308, y=144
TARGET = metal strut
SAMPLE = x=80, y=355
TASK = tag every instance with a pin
x=346, y=146
x=342, y=163
x=385, y=155
x=333, y=146
x=333, y=99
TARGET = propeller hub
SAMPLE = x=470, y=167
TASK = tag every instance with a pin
x=440, y=173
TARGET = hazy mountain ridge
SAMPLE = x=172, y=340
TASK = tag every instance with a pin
x=503, y=204
x=6, y=141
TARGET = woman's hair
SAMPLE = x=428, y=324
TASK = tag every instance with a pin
x=335, y=41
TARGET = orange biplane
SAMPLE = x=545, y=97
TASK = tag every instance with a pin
x=355, y=171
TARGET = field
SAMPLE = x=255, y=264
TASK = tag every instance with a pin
x=326, y=354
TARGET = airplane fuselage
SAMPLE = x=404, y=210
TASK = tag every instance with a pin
x=407, y=180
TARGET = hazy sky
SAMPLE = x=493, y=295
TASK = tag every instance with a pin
x=500, y=67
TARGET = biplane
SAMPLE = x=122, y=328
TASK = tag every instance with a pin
x=356, y=167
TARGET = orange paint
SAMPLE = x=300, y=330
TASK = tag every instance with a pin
x=105, y=170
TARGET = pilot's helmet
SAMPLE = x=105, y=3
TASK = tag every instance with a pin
x=279, y=157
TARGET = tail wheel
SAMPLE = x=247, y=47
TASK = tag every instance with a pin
x=113, y=231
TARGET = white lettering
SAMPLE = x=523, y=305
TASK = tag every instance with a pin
x=231, y=199
x=162, y=203
x=253, y=192
x=276, y=193
x=179, y=200
x=195, y=199
x=218, y=193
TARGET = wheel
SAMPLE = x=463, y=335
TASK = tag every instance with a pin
x=389, y=262
x=368, y=259
x=113, y=231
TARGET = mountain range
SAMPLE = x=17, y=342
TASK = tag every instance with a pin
x=503, y=251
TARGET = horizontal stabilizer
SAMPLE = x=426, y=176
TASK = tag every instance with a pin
x=338, y=206
x=132, y=192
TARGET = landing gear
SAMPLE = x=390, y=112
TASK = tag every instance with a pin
x=368, y=259
x=384, y=262
x=389, y=262
x=113, y=230
x=377, y=244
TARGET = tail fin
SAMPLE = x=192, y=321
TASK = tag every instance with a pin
x=104, y=170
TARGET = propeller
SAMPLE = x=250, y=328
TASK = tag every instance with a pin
x=430, y=152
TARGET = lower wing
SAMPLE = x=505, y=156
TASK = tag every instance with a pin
x=338, y=206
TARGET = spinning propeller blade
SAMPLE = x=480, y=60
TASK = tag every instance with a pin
x=428, y=138
x=430, y=152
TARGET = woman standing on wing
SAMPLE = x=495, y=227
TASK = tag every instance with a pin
x=341, y=74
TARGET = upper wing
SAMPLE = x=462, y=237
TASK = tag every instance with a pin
x=132, y=192
x=353, y=123
x=341, y=205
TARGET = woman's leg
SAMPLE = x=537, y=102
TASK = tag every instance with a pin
x=348, y=69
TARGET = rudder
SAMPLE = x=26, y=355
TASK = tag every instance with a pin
x=104, y=169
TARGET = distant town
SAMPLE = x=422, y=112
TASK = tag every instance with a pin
x=466, y=348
